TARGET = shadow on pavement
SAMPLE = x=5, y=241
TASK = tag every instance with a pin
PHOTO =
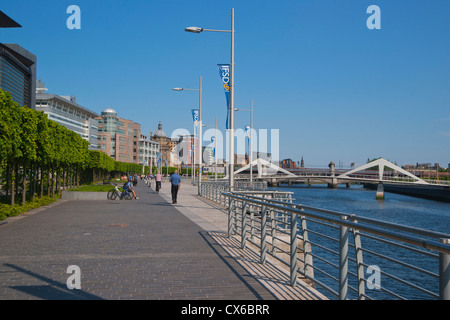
x=52, y=290
x=252, y=284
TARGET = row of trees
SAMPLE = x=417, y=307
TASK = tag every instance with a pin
x=39, y=156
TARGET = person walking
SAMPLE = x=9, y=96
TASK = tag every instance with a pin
x=158, y=181
x=175, y=180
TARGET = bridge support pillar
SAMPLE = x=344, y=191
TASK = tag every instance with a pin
x=333, y=183
x=290, y=183
x=380, y=191
x=309, y=182
x=274, y=183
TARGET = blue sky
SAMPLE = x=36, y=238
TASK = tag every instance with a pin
x=336, y=90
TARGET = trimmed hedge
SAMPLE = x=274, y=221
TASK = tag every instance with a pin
x=7, y=210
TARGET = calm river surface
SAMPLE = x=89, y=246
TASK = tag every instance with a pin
x=400, y=209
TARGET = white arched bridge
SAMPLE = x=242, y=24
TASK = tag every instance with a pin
x=388, y=176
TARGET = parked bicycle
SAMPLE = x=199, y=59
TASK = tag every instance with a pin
x=115, y=192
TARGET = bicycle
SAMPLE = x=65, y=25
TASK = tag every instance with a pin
x=115, y=192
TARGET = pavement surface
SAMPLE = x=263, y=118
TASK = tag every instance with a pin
x=131, y=249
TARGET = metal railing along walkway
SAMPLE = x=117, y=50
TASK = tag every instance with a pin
x=345, y=255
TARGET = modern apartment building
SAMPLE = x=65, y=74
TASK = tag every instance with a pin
x=119, y=138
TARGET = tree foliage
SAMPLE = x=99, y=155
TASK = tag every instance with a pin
x=38, y=154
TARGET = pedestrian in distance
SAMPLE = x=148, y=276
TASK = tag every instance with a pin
x=158, y=181
x=175, y=181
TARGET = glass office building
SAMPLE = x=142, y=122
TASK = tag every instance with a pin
x=18, y=73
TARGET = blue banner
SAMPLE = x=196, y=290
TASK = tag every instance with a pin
x=213, y=140
x=225, y=76
x=158, y=159
x=247, y=131
x=195, y=116
x=196, y=119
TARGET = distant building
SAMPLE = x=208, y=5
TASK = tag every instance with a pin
x=18, y=74
x=165, y=145
x=65, y=111
x=421, y=166
x=119, y=138
x=186, y=151
x=287, y=164
x=148, y=151
x=208, y=155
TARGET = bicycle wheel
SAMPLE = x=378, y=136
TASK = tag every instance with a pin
x=128, y=196
x=112, y=194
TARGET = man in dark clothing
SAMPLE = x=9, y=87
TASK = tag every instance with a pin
x=175, y=180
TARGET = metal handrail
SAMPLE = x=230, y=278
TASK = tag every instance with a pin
x=431, y=245
x=240, y=204
x=409, y=229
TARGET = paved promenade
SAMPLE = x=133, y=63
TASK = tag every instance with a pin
x=139, y=249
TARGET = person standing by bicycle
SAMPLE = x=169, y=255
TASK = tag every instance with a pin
x=129, y=188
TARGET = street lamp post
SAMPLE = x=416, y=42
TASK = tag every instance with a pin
x=231, y=130
x=215, y=153
x=215, y=148
x=200, y=137
x=251, y=138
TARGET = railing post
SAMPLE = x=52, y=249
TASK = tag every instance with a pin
x=263, y=234
x=230, y=217
x=243, y=226
x=343, y=262
x=293, y=251
x=308, y=259
x=273, y=232
x=359, y=262
x=252, y=223
x=444, y=273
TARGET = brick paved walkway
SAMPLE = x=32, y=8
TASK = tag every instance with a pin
x=139, y=249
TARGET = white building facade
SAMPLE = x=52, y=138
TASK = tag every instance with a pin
x=65, y=111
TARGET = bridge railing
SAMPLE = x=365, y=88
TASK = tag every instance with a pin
x=345, y=255
x=368, y=176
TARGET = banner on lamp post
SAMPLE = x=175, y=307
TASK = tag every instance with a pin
x=247, y=131
x=225, y=76
x=196, y=119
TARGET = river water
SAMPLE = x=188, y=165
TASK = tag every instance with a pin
x=396, y=208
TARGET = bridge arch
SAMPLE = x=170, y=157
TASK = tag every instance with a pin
x=381, y=163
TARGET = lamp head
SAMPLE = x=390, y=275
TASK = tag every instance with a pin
x=193, y=29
